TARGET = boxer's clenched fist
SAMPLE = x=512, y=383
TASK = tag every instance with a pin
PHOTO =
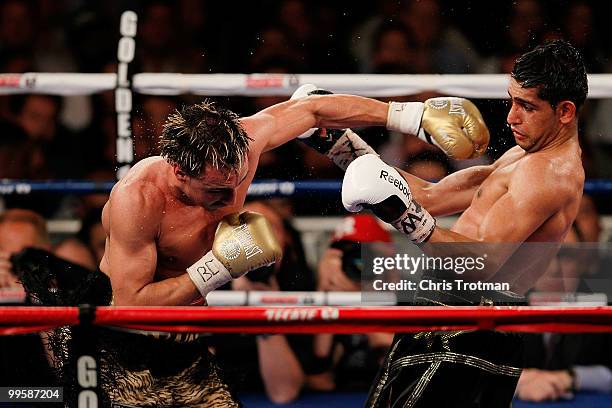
x=243, y=242
x=302, y=92
x=371, y=183
x=341, y=146
x=453, y=124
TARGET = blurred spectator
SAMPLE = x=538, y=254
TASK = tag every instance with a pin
x=578, y=27
x=157, y=35
x=54, y=151
x=38, y=115
x=23, y=357
x=33, y=38
x=160, y=45
x=275, y=43
x=348, y=362
x=394, y=50
x=561, y=364
x=297, y=23
x=363, y=37
x=87, y=247
x=404, y=148
x=17, y=29
x=76, y=252
x=526, y=25
x=149, y=124
x=14, y=152
x=573, y=264
x=428, y=166
x=277, y=363
x=440, y=47
x=88, y=25
x=296, y=19
x=19, y=229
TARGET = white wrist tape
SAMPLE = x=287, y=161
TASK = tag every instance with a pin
x=208, y=274
x=416, y=223
x=405, y=117
x=347, y=148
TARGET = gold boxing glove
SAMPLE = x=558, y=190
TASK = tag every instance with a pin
x=455, y=125
x=242, y=242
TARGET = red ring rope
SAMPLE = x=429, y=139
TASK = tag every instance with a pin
x=308, y=319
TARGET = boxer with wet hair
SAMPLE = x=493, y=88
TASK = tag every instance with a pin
x=530, y=194
x=174, y=225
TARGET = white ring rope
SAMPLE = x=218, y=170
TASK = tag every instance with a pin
x=332, y=298
x=471, y=86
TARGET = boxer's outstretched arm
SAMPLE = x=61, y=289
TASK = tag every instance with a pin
x=131, y=252
x=452, y=194
x=282, y=122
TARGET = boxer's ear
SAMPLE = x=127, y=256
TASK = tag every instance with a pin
x=567, y=111
x=180, y=174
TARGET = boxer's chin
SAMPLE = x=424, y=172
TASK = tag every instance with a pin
x=524, y=142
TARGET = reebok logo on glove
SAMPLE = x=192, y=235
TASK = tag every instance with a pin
x=395, y=181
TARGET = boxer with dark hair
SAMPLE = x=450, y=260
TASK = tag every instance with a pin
x=173, y=223
x=531, y=194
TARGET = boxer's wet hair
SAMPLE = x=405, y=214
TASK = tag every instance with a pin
x=200, y=134
x=557, y=69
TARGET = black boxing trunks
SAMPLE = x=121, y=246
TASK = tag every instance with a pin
x=451, y=369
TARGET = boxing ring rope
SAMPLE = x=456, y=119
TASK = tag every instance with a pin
x=373, y=85
x=308, y=319
x=334, y=298
x=258, y=188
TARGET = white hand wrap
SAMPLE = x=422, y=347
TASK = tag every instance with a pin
x=405, y=117
x=347, y=148
x=208, y=274
x=416, y=223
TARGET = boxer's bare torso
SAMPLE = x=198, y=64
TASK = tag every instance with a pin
x=482, y=219
x=530, y=194
x=476, y=222
x=184, y=230
x=174, y=230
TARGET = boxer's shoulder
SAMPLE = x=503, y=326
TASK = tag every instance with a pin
x=541, y=177
x=141, y=197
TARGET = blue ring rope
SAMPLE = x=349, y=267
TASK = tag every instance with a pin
x=259, y=188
